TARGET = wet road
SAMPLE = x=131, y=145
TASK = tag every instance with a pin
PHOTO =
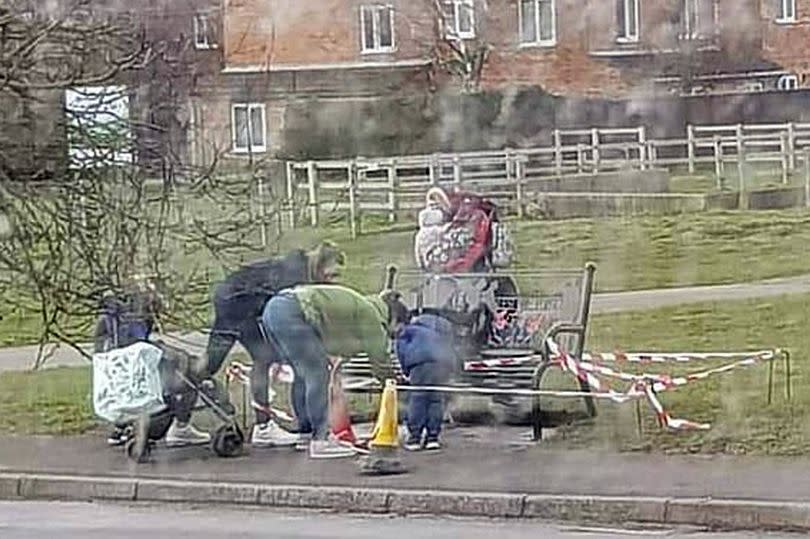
x=39, y=520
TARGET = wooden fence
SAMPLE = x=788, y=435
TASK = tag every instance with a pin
x=392, y=185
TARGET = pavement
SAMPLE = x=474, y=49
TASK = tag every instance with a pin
x=482, y=471
x=22, y=358
x=32, y=520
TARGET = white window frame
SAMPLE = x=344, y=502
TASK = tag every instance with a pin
x=782, y=8
x=454, y=24
x=538, y=41
x=626, y=38
x=692, y=7
x=250, y=148
x=787, y=83
x=375, y=10
x=202, y=32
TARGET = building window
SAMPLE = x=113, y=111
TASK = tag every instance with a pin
x=459, y=16
x=537, y=22
x=787, y=83
x=249, y=128
x=627, y=19
x=204, y=32
x=699, y=17
x=786, y=10
x=377, y=24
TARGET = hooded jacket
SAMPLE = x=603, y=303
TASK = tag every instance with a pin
x=242, y=296
x=348, y=323
x=426, y=339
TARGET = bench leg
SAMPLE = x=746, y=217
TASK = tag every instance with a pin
x=537, y=412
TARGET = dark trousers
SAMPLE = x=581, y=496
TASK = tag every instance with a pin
x=426, y=408
x=230, y=327
x=300, y=345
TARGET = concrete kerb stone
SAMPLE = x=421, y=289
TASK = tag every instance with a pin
x=723, y=514
x=52, y=487
x=331, y=498
x=188, y=491
x=9, y=487
x=463, y=504
x=596, y=508
x=739, y=514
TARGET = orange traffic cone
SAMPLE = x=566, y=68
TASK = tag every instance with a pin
x=384, y=458
x=339, y=416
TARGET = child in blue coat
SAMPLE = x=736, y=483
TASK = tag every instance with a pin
x=425, y=351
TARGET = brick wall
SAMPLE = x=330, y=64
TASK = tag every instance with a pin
x=283, y=32
x=787, y=43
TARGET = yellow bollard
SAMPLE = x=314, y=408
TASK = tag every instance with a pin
x=384, y=458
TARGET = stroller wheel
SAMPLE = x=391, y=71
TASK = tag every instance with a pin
x=227, y=441
x=138, y=451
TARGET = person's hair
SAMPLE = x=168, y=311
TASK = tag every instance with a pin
x=323, y=254
x=436, y=195
x=398, y=312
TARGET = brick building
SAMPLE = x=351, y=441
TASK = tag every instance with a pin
x=301, y=74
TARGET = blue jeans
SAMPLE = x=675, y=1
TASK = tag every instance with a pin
x=299, y=344
x=426, y=408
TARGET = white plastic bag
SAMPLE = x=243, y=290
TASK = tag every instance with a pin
x=126, y=382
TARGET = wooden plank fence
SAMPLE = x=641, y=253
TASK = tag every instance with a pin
x=391, y=185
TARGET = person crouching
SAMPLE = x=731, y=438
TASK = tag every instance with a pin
x=425, y=352
x=308, y=324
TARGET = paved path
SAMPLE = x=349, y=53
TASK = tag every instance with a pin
x=40, y=520
x=15, y=359
x=488, y=459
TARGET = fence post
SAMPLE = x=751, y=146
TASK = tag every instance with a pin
x=291, y=188
x=784, y=154
x=393, y=184
x=718, y=159
x=791, y=132
x=312, y=182
x=558, y=157
x=457, y=170
x=262, y=210
x=595, y=149
x=353, y=171
x=690, y=147
x=642, y=148
x=741, y=167
x=580, y=157
x=519, y=175
x=807, y=177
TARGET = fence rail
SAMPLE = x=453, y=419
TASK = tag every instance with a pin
x=391, y=185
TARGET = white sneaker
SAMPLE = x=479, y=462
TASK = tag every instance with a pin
x=330, y=449
x=181, y=435
x=304, y=439
x=272, y=435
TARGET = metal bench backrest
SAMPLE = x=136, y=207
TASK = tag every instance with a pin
x=527, y=304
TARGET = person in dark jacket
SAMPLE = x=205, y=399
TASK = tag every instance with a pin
x=238, y=304
x=425, y=351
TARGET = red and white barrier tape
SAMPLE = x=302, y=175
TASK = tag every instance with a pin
x=617, y=357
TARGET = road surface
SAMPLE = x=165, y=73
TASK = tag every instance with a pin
x=22, y=358
x=39, y=520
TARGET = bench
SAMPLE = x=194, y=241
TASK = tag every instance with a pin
x=529, y=307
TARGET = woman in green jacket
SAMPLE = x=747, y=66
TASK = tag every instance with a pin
x=310, y=323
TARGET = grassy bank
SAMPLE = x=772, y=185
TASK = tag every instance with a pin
x=632, y=253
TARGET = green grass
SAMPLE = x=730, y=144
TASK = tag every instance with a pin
x=632, y=253
x=53, y=401
x=735, y=403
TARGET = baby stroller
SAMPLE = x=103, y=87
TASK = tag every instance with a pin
x=142, y=386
